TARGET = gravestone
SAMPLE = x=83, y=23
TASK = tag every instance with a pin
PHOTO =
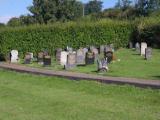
x=80, y=57
x=95, y=51
x=102, y=65
x=148, y=53
x=45, y=53
x=63, y=60
x=137, y=47
x=69, y=49
x=27, y=58
x=85, y=50
x=130, y=45
x=143, y=48
x=58, y=54
x=109, y=56
x=71, y=61
x=14, y=56
x=107, y=48
x=101, y=49
x=40, y=57
x=47, y=60
x=90, y=58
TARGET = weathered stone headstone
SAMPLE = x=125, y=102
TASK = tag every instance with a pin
x=148, y=53
x=80, y=57
x=40, y=57
x=130, y=45
x=90, y=58
x=137, y=46
x=58, y=54
x=14, y=56
x=102, y=65
x=71, y=61
x=107, y=48
x=143, y=48
x=27, y=58
x=95, y=51
x=63, y=60
x=69, y=49
x=109, y=56
x=101, y=49
x=47, y=60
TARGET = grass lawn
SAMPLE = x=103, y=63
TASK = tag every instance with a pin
x=131, y=64
x=30, y=97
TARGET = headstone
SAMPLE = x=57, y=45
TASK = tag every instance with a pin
x=71, y=61
x=27, y=58
x=107, y=48
x=137, y=47
x=109, y=56
x=143, y=47
x=101, y=49
x=102, y=65
x=63, y=60
x=69, y=49
x=31, y=54
x=85, y=50
x=58, y=54
x=95, y=51
x=40, y=57
x=47, y=60
x=80, y=57
x=148, y=53
x=45, y=53
x=130, y=45
x=14, y=56
x=89, y=58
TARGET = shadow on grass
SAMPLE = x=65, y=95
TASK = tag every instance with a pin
x=135, y=54
x=157, y=77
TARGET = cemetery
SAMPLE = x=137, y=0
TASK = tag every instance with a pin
x=75, y=60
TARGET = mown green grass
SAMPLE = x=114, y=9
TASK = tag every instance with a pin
x=30, y=97
x=131, y=64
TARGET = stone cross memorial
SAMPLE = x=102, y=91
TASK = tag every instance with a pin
x=148, y=53
x=63, y=59
x=71, y=61
x=14, y=56
x=143, y=48
x=80, y=57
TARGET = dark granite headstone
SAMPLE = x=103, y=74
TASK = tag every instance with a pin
x=47, y=60
x=109, y=56
x=90, y=58
x=148, y=53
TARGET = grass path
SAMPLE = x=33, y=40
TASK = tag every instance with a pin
x=30, y=97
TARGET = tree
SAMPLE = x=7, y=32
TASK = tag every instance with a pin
x=55, y=10
x=123, y=4
x=13, y=22
x=27, y=20
x=2, y=25
x=94, y=6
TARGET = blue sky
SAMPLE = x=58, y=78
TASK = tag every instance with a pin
x=15, y=8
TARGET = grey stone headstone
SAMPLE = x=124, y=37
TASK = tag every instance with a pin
x=95, y=51
x=137, y=46
x=69, y=49
x=40, y=57
x=71, y=61
x=28, y=58
x=130, y=45
x=148, y=53
x=143, y=48
x=80, y=57
x=14, y=56
x=107, y=48
x=101, y=51
x=58, y=54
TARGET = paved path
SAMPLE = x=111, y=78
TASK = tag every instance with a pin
x=82, y=76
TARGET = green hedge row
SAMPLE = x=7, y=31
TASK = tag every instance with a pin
x=37, y=38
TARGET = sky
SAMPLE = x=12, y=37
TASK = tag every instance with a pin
x=15, y=8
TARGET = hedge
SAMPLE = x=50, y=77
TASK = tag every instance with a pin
x=49, y=37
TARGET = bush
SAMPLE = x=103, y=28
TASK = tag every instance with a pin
x=49, y=37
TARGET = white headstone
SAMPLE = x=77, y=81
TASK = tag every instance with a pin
x=143, y=48
x=63, y=58
x=14, y=56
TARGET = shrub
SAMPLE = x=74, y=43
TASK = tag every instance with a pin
x=50, y=37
